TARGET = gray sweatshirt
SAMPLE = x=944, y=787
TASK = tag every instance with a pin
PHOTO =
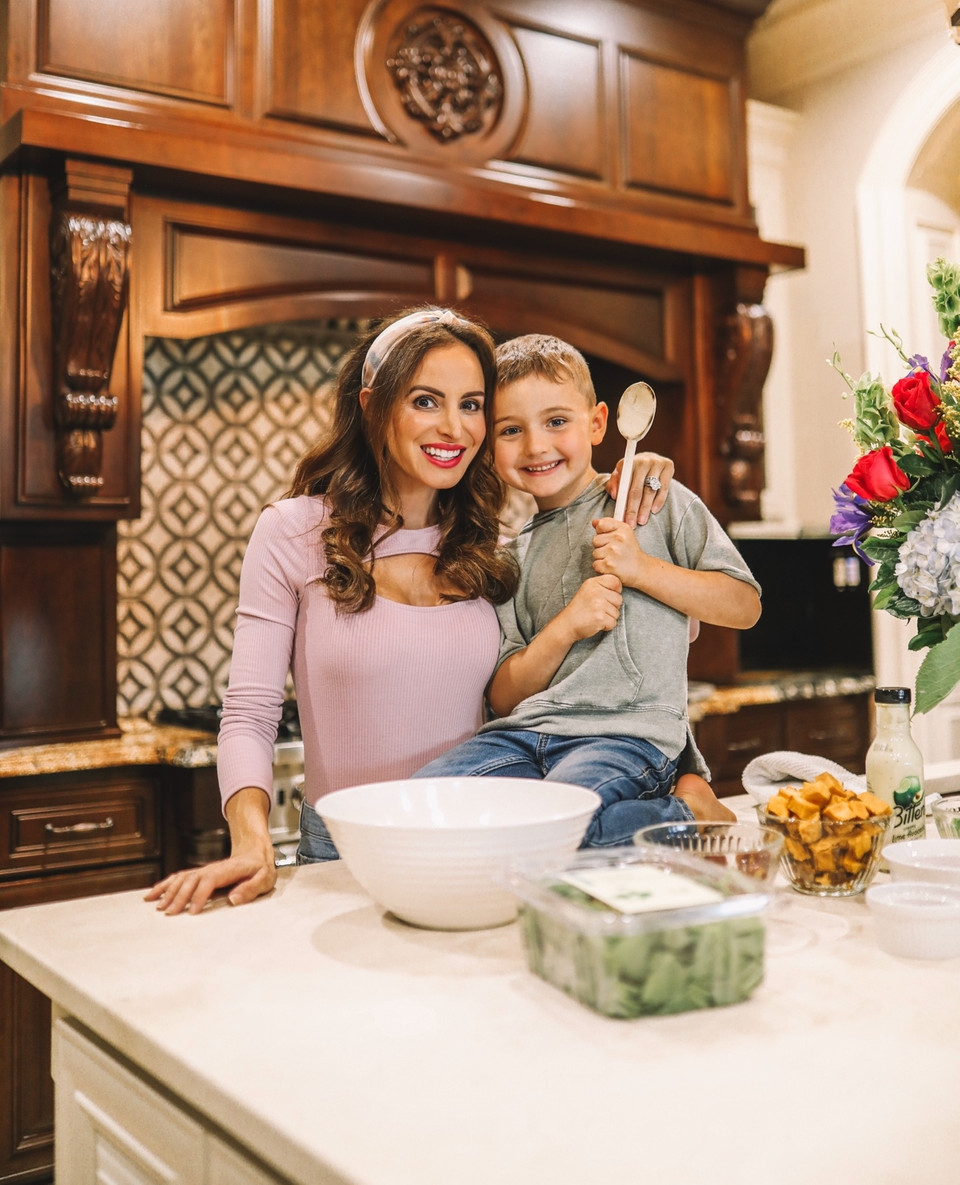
x=632, y=680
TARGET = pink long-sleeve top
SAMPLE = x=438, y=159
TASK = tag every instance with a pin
x=380, y=693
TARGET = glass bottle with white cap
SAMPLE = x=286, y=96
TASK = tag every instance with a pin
x=895, y=765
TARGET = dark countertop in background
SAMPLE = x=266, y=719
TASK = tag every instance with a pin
x=145, y=743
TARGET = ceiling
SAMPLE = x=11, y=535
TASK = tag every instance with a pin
x=798, y=44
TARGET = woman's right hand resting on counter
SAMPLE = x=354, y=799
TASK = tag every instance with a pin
x=249, y=871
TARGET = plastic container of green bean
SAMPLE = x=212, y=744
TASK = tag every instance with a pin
x=643, y=931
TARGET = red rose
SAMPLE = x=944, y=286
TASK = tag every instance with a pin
x=877, y=477
x=916, y=403
x=946, y=444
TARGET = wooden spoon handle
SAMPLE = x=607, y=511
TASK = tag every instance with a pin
x=626, y=473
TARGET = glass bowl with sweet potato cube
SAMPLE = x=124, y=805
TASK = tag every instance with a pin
x=832, y=836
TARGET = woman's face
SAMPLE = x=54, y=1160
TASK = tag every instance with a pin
x=438, y=426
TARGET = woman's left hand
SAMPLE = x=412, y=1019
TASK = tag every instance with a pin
x=643, y=499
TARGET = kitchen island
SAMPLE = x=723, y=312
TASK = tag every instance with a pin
x=317, y=1040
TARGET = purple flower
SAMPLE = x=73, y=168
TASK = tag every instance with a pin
x=851, y=521
x=919, y=362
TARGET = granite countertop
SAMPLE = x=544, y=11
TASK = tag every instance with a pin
x=140, y=743
x=144, y=743
x=773, y=687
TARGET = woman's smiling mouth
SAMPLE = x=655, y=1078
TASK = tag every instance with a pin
x=444, y=456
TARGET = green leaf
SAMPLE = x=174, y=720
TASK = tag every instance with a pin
x=939, y=672
x=922, y=641
x=908, y=520
x=899, y=605
x=949, y=489
x=914, y=465
x=884, y=596
x=879, y=547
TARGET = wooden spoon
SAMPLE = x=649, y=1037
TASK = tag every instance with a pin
x=635, y=412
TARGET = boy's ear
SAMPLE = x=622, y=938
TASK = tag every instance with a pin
x=598, y=423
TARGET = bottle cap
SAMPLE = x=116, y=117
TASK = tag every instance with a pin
x=892, y=695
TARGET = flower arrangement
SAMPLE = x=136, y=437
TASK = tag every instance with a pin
x=899, y=507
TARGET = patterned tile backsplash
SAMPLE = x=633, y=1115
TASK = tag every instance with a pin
x=225, y=419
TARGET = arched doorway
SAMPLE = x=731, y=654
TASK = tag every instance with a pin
x=918, y=142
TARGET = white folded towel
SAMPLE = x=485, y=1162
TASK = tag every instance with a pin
x=764, y=775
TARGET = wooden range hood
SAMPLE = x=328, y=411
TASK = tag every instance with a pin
x=178, y=170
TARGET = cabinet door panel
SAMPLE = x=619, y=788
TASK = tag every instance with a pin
x=729, y=742
x=183, y=50
x=26, y=1088
x=832, y=728
x=112, y=1126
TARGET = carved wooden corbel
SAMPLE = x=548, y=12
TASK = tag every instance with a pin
x=89, y=249
x=745, y=352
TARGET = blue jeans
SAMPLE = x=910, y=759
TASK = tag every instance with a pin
x=632, y=777
x=315, y=844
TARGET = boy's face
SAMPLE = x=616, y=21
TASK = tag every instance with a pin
x=543, y=438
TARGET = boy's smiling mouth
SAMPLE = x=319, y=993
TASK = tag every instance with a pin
x=547, y=467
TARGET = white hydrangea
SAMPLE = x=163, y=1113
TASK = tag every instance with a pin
x=929, y=567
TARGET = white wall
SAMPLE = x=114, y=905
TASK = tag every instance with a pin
x=867, y=236
x=836, y=121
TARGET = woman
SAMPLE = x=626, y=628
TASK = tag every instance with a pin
x=374, y=580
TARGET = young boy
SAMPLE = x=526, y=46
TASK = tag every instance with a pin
x=591, y=686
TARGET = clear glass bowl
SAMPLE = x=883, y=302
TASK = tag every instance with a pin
x=946, y=815
x=749, y=848
x=839, y=862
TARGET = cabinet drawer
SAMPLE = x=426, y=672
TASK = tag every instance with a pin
x=729, y=742
x=89, y=818
x=835, y=728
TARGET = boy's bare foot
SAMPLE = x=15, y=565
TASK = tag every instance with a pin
x=700, y=798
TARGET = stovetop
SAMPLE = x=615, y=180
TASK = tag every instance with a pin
x=206, y=718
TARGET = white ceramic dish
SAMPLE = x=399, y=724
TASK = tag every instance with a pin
x=916, y=919
x=931, y=860
x=435, y=851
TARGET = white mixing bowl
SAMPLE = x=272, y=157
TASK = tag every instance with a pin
x=434, y=851
x=931, y=860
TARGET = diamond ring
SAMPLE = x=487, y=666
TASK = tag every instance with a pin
x=652, y=482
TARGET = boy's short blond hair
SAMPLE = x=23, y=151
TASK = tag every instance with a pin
x=547, y=357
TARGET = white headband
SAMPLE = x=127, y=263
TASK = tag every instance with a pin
x=381, y=346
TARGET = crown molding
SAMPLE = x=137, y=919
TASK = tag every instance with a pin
x=797, y=43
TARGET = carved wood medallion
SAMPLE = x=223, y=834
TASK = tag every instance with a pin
x=88, y=262
x=447, y=75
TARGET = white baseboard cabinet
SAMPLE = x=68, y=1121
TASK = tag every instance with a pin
x=115, y=1127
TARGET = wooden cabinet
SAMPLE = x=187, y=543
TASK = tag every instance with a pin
x=837, y=728
x=114, y=1124
x=62, y=836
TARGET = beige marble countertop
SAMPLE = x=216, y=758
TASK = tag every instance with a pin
x=341, y=1045
x=144, y=743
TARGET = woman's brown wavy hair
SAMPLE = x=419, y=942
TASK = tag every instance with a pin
x=349, y=467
